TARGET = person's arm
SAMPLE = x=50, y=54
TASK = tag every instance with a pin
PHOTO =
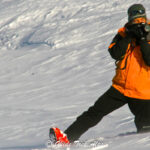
x=142, y=37
x=118, y=47
x=145, y=49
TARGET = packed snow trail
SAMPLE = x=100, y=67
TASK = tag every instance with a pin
x=54, y=64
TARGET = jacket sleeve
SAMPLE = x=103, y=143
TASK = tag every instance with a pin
x=145, y=49
x=118, y=47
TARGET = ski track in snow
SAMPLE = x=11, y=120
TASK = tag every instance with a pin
x=54, y=64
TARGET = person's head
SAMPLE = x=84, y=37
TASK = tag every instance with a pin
x=137, y=13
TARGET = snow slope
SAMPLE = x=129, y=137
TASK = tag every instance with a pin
x=54, y=64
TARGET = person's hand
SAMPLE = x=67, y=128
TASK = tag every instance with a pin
x=137, y=31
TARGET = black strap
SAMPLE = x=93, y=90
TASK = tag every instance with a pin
x=117, y=61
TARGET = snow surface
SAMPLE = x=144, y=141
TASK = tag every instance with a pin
x=54, y=64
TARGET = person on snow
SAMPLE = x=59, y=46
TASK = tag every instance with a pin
x=131, y=84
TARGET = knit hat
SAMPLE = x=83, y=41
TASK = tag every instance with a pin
x=136, y=11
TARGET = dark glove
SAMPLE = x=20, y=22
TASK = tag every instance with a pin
x=137, y=31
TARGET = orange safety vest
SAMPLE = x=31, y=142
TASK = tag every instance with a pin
x=134, y=80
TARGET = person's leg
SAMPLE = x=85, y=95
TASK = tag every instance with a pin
x=141, y=111
x=108, y=102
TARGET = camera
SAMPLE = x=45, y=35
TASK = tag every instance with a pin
x=145, y=26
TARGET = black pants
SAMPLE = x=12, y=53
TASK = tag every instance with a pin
x=108, y=102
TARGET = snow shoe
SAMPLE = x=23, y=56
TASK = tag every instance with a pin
x=57, y=136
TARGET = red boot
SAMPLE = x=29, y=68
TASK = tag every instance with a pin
x=57, y=136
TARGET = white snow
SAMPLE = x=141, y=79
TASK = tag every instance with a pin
x=54, y=64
